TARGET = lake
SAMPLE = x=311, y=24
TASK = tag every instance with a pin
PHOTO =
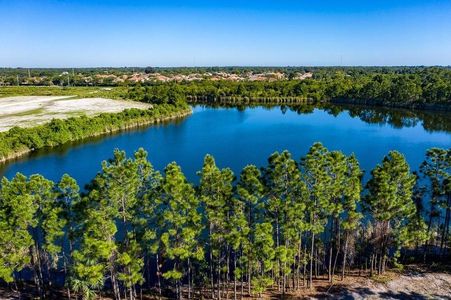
x=240, y=136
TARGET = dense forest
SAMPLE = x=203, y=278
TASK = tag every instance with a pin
x=321, y=71
x=17, y=141
x=420, y=90
x=417, y=87
x=134, y=230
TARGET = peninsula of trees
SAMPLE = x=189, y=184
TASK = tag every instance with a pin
x=135, y=231
x=19, y=141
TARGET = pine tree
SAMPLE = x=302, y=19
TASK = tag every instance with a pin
x=123, y=184
x=146, y=215
x=212, y=191
x=314, y=171
x=258, y=230
x=92, y=259
x=437, y=168
x=181, y=223
x=335, y=167
x=287, y=200
x=265, y=255
x=237, y=233
x=390, y=202
x=352, y=190
x=48, y=230
x=17, y=210
x=68, y=197
x=250, y=191
x=232, y=223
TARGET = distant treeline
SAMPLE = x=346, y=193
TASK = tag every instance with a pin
x=424, y=89
x=18, y=141
x=137, y=232
x=319, y=71
x=410, y=87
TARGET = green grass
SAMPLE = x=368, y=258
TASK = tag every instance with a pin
x=79, y=92
x=384, y=278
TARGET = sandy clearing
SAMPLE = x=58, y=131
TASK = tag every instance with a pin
x=27, y=111
x=408, y=286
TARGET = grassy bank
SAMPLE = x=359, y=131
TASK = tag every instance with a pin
x=79, y=91
x=20, y=141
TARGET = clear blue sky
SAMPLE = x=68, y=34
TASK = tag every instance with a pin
x=87, y=33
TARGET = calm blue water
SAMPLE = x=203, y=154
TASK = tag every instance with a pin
x=239, y=137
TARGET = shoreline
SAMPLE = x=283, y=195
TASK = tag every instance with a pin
x=431, y=107
x=221, y=101
x=130, y=125
x=231, y=100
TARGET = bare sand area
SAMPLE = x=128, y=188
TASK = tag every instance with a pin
x=28, y=111
x=408, y=286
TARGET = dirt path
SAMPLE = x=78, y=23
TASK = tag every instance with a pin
x=27, y=111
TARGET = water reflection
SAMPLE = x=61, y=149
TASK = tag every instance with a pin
x=244, y=135
x=431, y=121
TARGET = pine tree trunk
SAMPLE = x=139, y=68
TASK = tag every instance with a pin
x=65, y=275
x=331, y=252
x=380, y=263
x=426, y=248
x=219, y=277
x=35, y=274
x=277, y=246
x=158, y=274
x=317, y=263
x=298, y=266
x=371, y=265
x=311, y=261
x=337, y=249
x=37, y=267
x=445, y=230
x=116, y=291
x=249, y=272
x=227, y=272
x=189, y=279
x=330, y=278
x=345, y=252
x=212, y=283
x=284, y=279
x=242, y=277
x=234, y=276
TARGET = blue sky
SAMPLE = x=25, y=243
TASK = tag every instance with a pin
x=215, y=33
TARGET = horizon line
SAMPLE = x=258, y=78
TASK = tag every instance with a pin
x=230, y=66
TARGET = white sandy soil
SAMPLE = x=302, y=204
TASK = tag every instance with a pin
x=419, y=286
x=27, y=111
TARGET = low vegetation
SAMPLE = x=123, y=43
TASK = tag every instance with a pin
x=80, y=92
x=18, y=141
x=136, y=231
